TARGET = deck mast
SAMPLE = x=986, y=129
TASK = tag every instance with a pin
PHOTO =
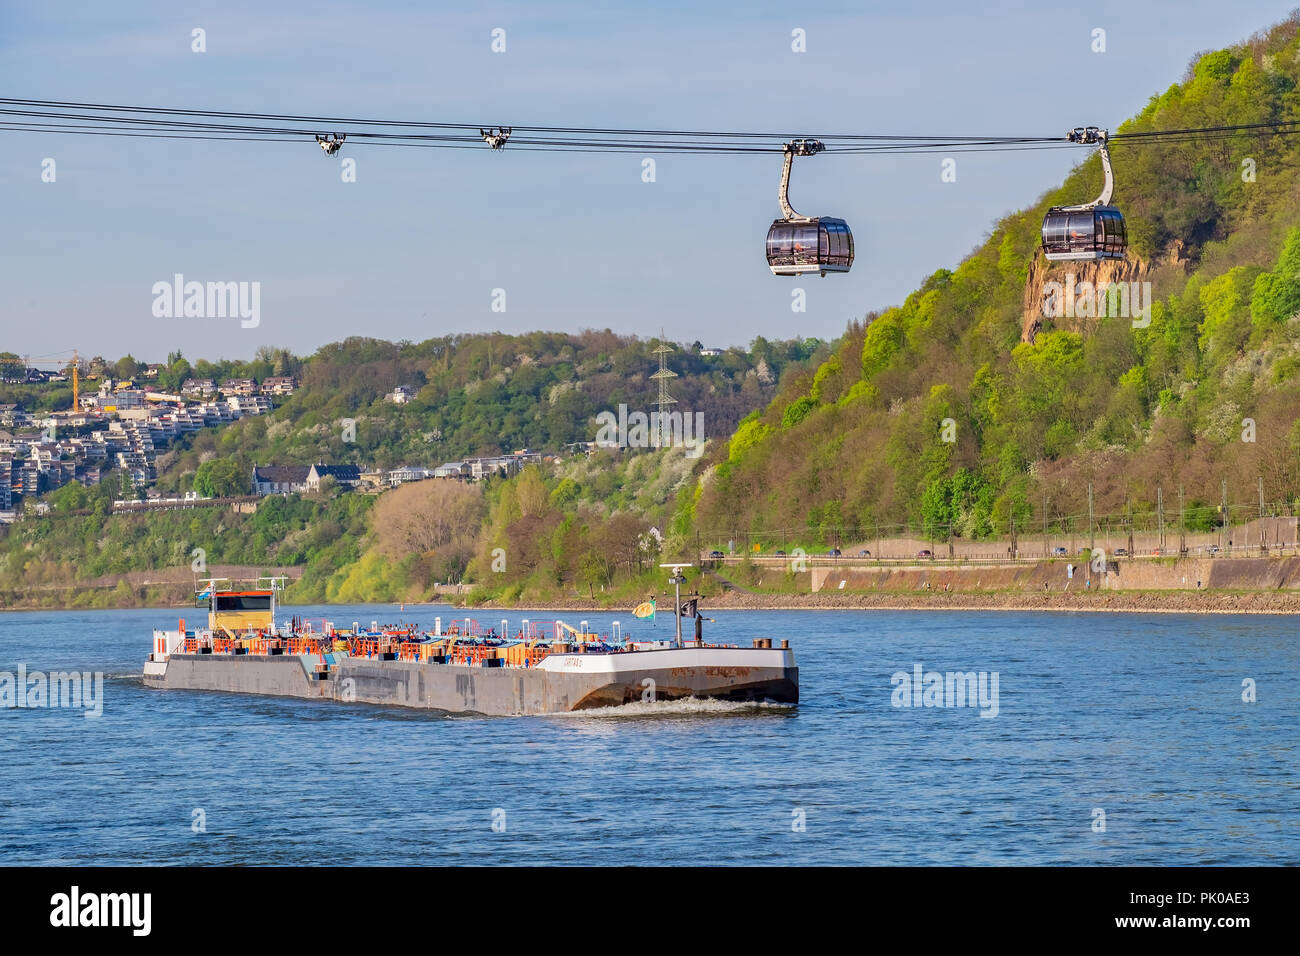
x=676, y=581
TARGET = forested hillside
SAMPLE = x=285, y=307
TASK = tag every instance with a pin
x=55, y=560
x=1208, y=392
x=472, y=394
x=484, y=394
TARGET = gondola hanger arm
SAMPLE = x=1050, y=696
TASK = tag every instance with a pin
x=1099, y=136
x=800, y=147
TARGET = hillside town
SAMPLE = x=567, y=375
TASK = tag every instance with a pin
x=126, y=424
x=122, y=424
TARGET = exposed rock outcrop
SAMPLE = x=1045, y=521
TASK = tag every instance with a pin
x=1071, y=276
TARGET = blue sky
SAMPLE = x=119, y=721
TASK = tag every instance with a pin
x=414, y=248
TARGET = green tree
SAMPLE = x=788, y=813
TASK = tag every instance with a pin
x=221, y=478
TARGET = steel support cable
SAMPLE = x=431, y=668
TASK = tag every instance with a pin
x=167, y=123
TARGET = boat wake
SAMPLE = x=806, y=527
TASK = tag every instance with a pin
x=684, y=707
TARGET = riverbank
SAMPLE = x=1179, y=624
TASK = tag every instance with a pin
x=164, y=587
x=1205, y=601
x=1147, y=602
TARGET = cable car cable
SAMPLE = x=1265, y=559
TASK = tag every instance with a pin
x=610, y=140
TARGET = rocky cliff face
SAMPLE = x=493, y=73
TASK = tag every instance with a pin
x=1075, y=277
x=1077, y=280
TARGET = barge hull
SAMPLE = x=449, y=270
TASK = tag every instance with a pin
x=560, y=684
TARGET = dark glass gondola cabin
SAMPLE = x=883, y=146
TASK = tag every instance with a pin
x=1096, y=233
x=798, y=247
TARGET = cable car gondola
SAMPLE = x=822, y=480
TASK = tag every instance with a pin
x=797, y=245
x=1094, y=230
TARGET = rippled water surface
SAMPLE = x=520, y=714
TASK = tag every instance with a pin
x=1139, y=716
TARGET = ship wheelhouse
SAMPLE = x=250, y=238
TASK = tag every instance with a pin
x=237, y=609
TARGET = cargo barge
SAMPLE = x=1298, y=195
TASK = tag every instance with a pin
x=462, y=669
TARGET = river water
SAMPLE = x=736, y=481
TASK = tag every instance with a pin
x=1117, y=739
